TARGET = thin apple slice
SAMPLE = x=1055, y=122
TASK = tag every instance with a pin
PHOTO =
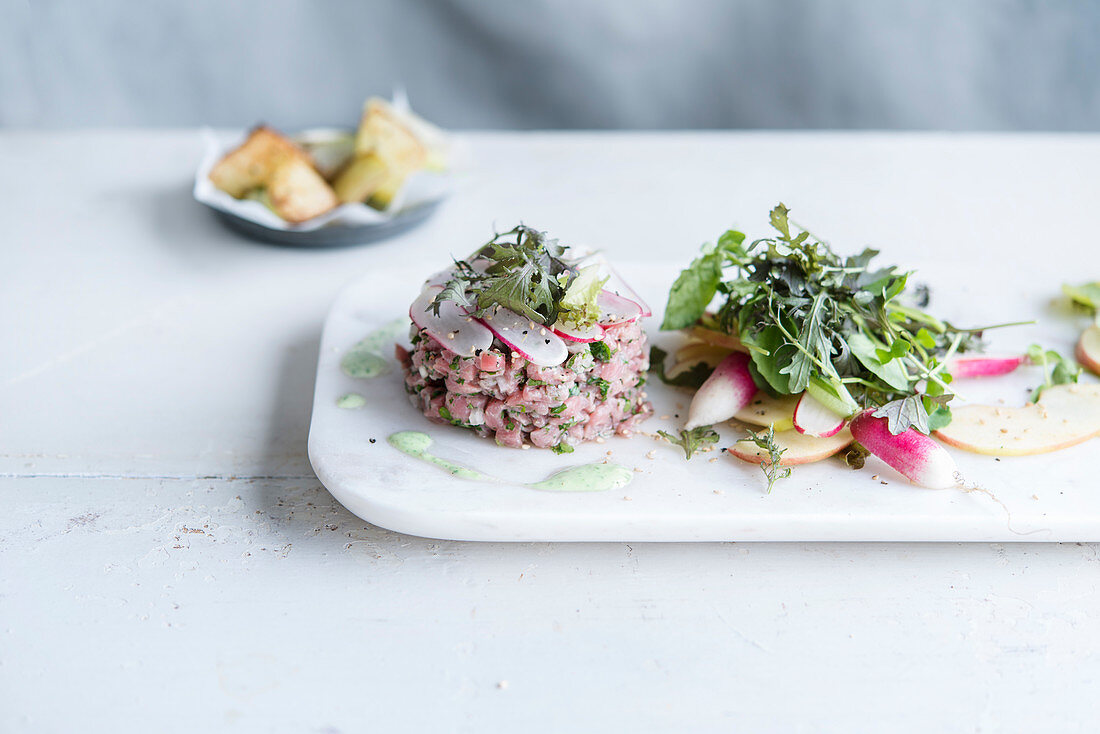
x=452, y=327
x=717, y=338
x=913, y=454
x=728, y=389
x=1088, y=349
x=764, y=410
x=1065, y=415
x=814, y=419
x=532, y=341
x=984, y=365
x=700, y=352
x=800, y=448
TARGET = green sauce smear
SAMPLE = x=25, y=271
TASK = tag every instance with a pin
x=365, y=360
x=585, y=478
x=416, y=445
x=351, y=401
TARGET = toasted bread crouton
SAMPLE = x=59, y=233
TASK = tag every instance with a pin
x=252, y=164
x=297, y=192
x=384, y=132
x=363, y=176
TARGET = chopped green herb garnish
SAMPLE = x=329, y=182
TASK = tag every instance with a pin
x=600, y=351
x=562, y=448
x=557, y=409
x=602, y=384
x=693, y=440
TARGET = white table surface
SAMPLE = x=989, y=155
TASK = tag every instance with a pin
x=168, y=561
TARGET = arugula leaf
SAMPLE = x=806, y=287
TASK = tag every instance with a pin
x=901, y=415
x=767, y=350
x=693, y=440
x=811, y=341
x=892, y=373
x=1057, y=370
x=771, y=468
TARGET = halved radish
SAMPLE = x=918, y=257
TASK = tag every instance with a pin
x=1088, y=349
x=452, y=328
x=914, y=455
x=764, y=410
x=574, y=333
x=532, y=341
x=984, y=365
x=814, y=419
x=800, y=449
x=728, y=389
x=614, y=309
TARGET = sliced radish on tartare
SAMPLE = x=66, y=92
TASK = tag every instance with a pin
x=614, y=309
x=914, y=455
x=534, y=342
x=452, y=328
x=573, y=333
x=812, y=418
x=728, y=389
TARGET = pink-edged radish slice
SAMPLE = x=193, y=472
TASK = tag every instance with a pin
x=534, y=342
x=728, y=389
x=574, y=333
x=814, y=419
x=984, y=365
x=799, y=448
x=914, y=455
x=615, y=283
x=452, y=328
x=614, y=309
x=1088, y=349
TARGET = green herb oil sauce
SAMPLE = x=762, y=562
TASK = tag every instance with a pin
x=365, y=360
x=585, y=478
x=351, y=401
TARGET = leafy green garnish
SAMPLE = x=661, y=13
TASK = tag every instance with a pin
x=1086, y=295
x=527, y=276
x=578, y=304
x=810, y=317
x=771, y=468
x=562, y=448
x=602, y=384
x=693, y=378
x=1057, y=370
x=600, y=351
x=693, y=440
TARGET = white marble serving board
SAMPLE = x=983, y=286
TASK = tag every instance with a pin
x=713, y=497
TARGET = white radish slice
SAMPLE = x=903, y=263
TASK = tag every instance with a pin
x=452, y=328
x=728, y=389
x=615, y=283
x=914, y=455
x=814, y=419
x=1088, y=349
x=614, y=309
x=764, y=410
x=800, y=449
x=573, y=333
x=984, y=365
x=534, y=342
x=1064, y=416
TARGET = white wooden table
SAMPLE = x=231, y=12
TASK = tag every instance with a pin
x=168, y=562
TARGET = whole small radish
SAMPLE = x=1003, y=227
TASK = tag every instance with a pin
x=916, y=456
x=728, y=389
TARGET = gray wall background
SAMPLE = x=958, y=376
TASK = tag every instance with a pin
x=940, y=64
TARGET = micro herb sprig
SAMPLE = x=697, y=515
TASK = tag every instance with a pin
x=692, y=440
x=771, y=468
x=855, y=335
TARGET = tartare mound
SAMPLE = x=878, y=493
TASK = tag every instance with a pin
x=597, y=391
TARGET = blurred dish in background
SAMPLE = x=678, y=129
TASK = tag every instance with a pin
x=326, y=187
